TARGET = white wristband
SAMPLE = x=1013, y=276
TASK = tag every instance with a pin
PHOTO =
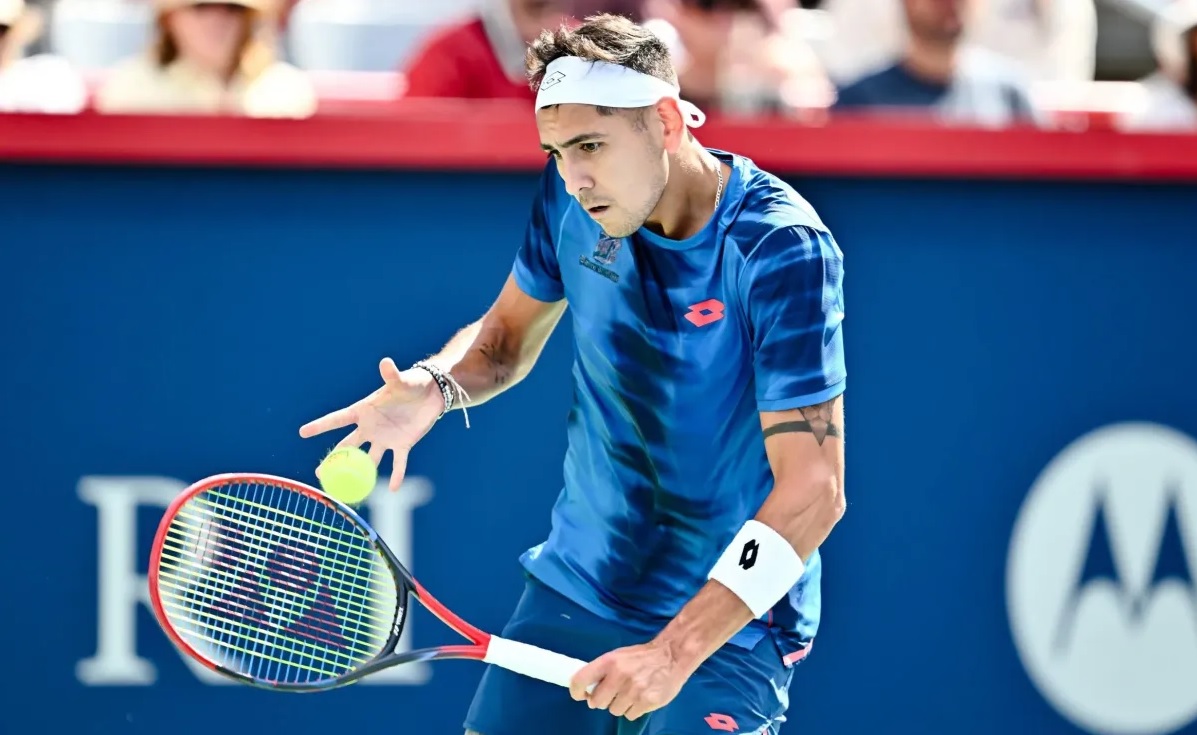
x=759, y=566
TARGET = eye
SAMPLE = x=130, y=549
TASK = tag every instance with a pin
x=590, y=147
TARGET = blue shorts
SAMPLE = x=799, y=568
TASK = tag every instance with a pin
x=736, y=690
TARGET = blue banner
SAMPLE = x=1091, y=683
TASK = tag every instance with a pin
x=1019, y=549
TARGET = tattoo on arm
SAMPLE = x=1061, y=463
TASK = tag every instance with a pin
x=496, y=360
x=820, y=421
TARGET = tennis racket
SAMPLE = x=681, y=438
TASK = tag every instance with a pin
x=273, y=583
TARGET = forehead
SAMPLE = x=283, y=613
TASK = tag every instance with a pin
x=561, y=122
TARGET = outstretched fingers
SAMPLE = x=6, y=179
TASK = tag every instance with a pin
x=329, y=422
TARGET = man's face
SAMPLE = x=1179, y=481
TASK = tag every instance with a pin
x=941, y=21
x=614, y=165
x=533, y=16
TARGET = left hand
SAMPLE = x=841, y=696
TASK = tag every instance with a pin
x=632, y=681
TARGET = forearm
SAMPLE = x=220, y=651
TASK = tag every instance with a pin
x=804, y=516
x=704, y=624
x=806, y=453
x=481, y=360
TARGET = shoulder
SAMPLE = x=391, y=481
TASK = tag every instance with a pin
x=285, y=77
x=1163, y=107
x=129, y=84
x=772, y=214
x=133, y=69
x=281, y=90
x=864, y=88
x=45, y=65
x=797, y=254
x=989, y=67
x=42, y=83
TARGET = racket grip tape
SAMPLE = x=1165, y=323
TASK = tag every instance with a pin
x=533, y=661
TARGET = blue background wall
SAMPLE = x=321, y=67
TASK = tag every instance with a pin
x=177, y=323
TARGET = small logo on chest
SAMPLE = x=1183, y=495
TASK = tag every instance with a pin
x=606, y=250
x=604, y=254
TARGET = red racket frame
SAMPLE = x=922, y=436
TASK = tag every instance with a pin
x=406, y=584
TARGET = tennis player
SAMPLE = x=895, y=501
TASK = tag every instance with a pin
x=705, y=461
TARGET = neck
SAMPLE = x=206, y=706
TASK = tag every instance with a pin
x=931, y=60
x=225, y=75
x=688, y=201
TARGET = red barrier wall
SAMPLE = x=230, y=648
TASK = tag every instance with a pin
x=500, y=135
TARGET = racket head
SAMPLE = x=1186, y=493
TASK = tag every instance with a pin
x=275, y=584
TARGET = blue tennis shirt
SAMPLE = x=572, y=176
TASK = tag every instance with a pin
x=679, y=344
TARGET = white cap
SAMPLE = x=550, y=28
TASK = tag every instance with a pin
x=1168, y=36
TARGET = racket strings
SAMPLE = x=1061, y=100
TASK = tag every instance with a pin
x=223, y=566
x=231, y=597
x=274, y=584
x=249, y=606
x=354, y=565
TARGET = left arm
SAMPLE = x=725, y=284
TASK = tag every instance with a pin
x=792, y=295
x=806, y=453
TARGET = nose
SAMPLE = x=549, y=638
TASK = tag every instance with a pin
x=577, y=179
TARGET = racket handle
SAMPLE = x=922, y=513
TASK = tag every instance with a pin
x=533, y=661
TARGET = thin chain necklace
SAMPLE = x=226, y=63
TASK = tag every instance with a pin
x=719, y=188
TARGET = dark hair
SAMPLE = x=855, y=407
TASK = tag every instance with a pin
x=611, y=38
x=1191, y=55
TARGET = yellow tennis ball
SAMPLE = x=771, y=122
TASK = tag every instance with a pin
x=347, y=474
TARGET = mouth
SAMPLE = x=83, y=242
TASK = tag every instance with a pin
x=598, y=210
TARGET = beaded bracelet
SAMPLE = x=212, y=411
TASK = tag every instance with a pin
x=451, y=391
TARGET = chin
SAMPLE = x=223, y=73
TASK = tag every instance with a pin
x=620, y=230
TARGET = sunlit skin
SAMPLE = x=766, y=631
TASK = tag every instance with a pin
x=209, y=36
x=936, y=29
x=634, y=168
x=941, y=21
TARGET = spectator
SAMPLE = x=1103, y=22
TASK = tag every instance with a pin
x=937, y=73
x=740, y=56
x=1054, y=40
x=1171, y=99
x=483, y=57
x=210, y=58
x=631, y=9
x=41, y=83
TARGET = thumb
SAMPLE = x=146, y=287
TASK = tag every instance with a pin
x=584, y=681
x=389, y=370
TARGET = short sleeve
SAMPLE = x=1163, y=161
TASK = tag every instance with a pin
x=536, y=269
x=792, y=291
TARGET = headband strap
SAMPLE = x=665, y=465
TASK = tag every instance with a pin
x=572, y=80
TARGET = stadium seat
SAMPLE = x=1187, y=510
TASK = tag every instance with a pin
x=361, y=35
x=96, y=34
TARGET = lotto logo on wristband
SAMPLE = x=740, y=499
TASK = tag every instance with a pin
x=759, y=580
x=748, y=554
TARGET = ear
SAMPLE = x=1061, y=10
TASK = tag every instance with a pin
x=673, y=123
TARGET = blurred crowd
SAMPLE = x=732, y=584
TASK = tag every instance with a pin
x=975, y=62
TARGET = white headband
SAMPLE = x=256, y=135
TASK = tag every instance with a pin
x=572, y=80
